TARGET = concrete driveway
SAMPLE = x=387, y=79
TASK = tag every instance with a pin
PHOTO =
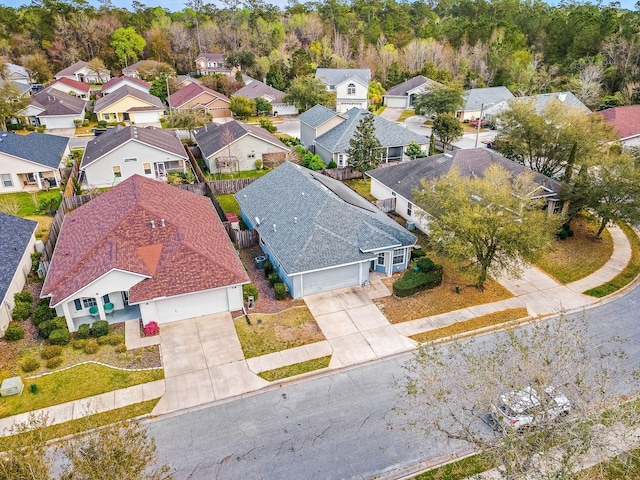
x=355, y=327
x=203, y=362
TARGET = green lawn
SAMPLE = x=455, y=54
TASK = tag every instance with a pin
x=362, y=187
x=24, y=201
x=229, y=204
x=406, y=114
x=295, y=369
x=73, y=384
x=237, y=175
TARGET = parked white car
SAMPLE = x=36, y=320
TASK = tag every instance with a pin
x=526, y=407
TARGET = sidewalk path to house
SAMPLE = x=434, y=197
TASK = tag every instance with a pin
x=204, y=362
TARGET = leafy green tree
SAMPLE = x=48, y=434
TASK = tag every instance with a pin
x=491, y=221
x=37, y=66
x=187, y=119
x=375, y=93
x=365, y=151
x=97, y=67
x=440, y=99
x=127, y=44
x=276, y=76
x=312, y=161
x=414, y=150
x=262, y=105
x=149, y=70
x=242, y=107
x=11, y=103
x=221, y=83
x=305, y=92
x=301, y=64
x=159, y=88
x=447, y=128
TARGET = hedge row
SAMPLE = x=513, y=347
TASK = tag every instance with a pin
x=423, y=275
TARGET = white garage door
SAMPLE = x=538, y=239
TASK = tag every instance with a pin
x=145, y=117
x=331, y=279
x=194, y=305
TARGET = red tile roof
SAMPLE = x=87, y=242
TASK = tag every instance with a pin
x=84, y=87
x=625, y=120
x=190, y=253
x=191, y=91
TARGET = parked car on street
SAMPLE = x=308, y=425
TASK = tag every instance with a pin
x=527, y=407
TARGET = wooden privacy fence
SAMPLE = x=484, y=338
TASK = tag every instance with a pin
x=205, y=190
x=225, y=187
x=242, y=238
x=194, y=164
x=342, y=173
x=386, y=205
x=68, y=190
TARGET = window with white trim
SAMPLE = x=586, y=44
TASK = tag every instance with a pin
x=6, y=180
x=117, y=171
x=340, y=160
x=398, y=256
x=409, y=208
x=147, y=168
x=381, y=258
x=351, y=89
x=393, y=194
x=89, y=302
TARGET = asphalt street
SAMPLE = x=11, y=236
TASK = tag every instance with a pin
x=338, y=426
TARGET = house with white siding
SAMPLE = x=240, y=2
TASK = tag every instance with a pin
x=351, y=86
x=129, y=104
x=404, y=94
x=81, y=72
x=54, y=109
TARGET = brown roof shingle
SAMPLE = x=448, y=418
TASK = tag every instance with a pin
x=190, y=253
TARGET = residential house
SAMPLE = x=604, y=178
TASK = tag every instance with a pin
x=184, y=80
x=17, y=243
x=115, y=83
x=128, y=104
x=476, y=100
x=72, y=87
x=235, y=146
x=318, y=233
x=214, y=63
x=54, y=109
x=333, y=131
x=144, y=249
x=196, y=96
x=146, y=66
x=31, y=162
x=625, y=121
x=81, y=72
x=404, y=94
x=123, y=152
x=257, y=89
x=540, y=101
x=399, y=181
x=350, y=85
x=17, y=73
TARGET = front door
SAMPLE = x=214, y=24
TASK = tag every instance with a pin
x=125, y=298
x=160, y=170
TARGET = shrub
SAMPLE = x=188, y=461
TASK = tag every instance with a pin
x=42, y=313
x=100, y=328
x=24, y=296
x=43, y=301
x=569, y=233
x=414, y=281
x=48, y=326
x=562, y=234
x=83, y=331
x=21, y=311
x=30, y=364
x=102, y=123
x=14, y=332
x=281, y=292
x=60, y=336
x=332, y=164
x=115, y=339
x=249, y=290
x=50, y=351
x=259, y=164
x=417, y=253
x=85, y=122
x=121, y=348
x=35, y=264
x=54, y=362
x=151, y=328
x=103, y=340
x=425, y=264
x=268, y=268
x=273, y=278
x=91, y=347
x=77, y=123
x=78, y=344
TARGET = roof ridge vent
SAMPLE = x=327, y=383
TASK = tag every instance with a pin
x=448, y=155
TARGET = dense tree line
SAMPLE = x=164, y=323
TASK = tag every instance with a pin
x=529, y=46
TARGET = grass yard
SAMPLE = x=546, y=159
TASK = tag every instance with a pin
x=229, y=204
x=458, y=470
x=629, y=273
x=295, y=369
x=410, y=112
x=89, y=422
x=26, y=204
x=44, y=225
x=458, y=328
x=279, y=331
x=236, y=175
x=73, y=384
x=578, y=256
x=361, y=187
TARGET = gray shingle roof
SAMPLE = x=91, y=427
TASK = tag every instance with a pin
x=566, y=98
x=110, y=140
x=405, y=177
x=71, y=69
x=319, y=222
x=43, y=149
x=257, y=89
x=316, y=116
x=388, y=133
x=214, y=137
x=15, y=235
x=403, y=88
x=55, y=102
x=108, y=100
x=335, y=76
x=476, y=97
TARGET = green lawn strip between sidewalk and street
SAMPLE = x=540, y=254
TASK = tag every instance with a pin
x=295, y=369
x=410, y=112
x=94, y=421
x=628, y=274
x=458, y=470
x=458, y=328
x=75, y=383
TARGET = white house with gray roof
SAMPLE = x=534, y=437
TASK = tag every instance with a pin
x=17, y=243
x=54, y=109
x=319, y=234
x=350, y=85
x=399, y=181
x=476, y=100
x=31, y=162
x=540, y=101
x=333, y=131
x=123, y=152
x=404, y=94
x=257, y=89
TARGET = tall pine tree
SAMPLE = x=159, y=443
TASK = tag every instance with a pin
x=364, y=150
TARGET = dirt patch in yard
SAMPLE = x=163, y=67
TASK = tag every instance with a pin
x=266, y=302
